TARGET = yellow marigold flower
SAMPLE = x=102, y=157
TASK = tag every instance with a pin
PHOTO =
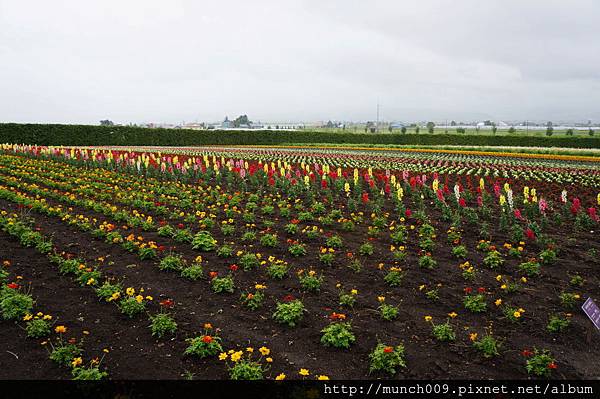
x=517, y=314
x=114, y=296
x=421, y=287
x=354, y=292
x=338, y=285
x=473, y=336
x=428, y=318
x=139, y=299
x=250, y=349
x=503, y=286
x=498, y=302
x=130, y=291
x=304, y=372
x=105, y=350
x=223, y=356
x=60, y=329
x=260, y=287
x=27, y=317
x=322, y=378
x=523, y=279
x=149, y=298
x=91, y=281
x=380, y=299
x=47, y=317
x=453, y=314
x=76, y=362
x=280, y=377
x=521, y=310
x=264, y=350
x=269, y=360
x=499, y=277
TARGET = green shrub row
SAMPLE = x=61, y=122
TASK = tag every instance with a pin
x=41, y=134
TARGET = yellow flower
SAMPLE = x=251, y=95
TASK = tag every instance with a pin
x=60, y=329
x=236, y=356
x=523, y=279
x=260, y=287
x=86, y=332
x=473, y=336
x=114, y=296
x=498, y=302
x=130, y=291
x=105, y=350
x=76, y=362
x=503, y=286
x=421, y=287
x=304, y=372
x=139, y=299
x=428, y=318
x=269, y=360
x=27, y=317
x=499, y=277
x=91, y=281
x=149, y=298
x=280, y=377
x=380, y=298
x=322, y=378
x=264, y=350
x=249, y=349
x=517, y=314
x=222, y=356
x=453, y=314
x=354, y=292
x=47, y=317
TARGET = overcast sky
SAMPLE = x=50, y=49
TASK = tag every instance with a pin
x=173, y=61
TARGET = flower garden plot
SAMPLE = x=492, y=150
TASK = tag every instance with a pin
x=471, y=269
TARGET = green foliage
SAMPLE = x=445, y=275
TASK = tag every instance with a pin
x=444, y=332
x=91, y=373
x=557, y=324
x=488, y=345
x=388, y=312
x=204, y=241
x=289, y=313
x=63, y=354
x=386, y=358
x=540, y=363
x=37, y=328
x=193, y=272
x=475, y=303
x=130, y=306
x=203, y=346
x=222, y=284
x=14, y=305
x=162, y=324
x=171, y=262
x=338, y=335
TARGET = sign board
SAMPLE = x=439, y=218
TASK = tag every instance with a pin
x=592, y=311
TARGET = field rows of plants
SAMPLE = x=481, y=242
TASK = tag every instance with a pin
x=297, y=263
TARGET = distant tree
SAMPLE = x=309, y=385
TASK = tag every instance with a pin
x=430, y=126
x=390, y=128
x=549, y=129
x=512, y=130
x=494, y=128
x=453, y=123
x=591, y=132
x=241, y=120
x=461, y=130
x=417, y=129
x=403, y=130
x=569, y=132
x=106, y=122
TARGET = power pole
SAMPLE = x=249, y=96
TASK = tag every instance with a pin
x=377, y=122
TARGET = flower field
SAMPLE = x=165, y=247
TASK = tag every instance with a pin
x=296, y=263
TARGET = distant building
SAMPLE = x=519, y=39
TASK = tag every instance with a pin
x=227, y=124
x=397, y=125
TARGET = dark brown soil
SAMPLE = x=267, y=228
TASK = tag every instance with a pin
x=135, y=354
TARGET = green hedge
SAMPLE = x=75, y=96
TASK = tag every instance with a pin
x=126, y=135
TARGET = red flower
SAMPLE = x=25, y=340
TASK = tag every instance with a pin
x=408, y=213
x=388, y=349
x=530, y=234
x=468, y=290
x=526, y=353
x=180, y=226
x=288, y=298
x=167, y=303
x=462, y=202
x=207, y=339
x=365, y=198
x=13, y=286
x=481, y=290
x=213, y=275
x=324, y=184
x=233, y=267
x=161, y=248
x=552, y=366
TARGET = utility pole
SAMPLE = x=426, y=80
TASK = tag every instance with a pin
x=377, y=122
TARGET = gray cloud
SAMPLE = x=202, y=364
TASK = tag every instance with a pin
x=136, y=61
